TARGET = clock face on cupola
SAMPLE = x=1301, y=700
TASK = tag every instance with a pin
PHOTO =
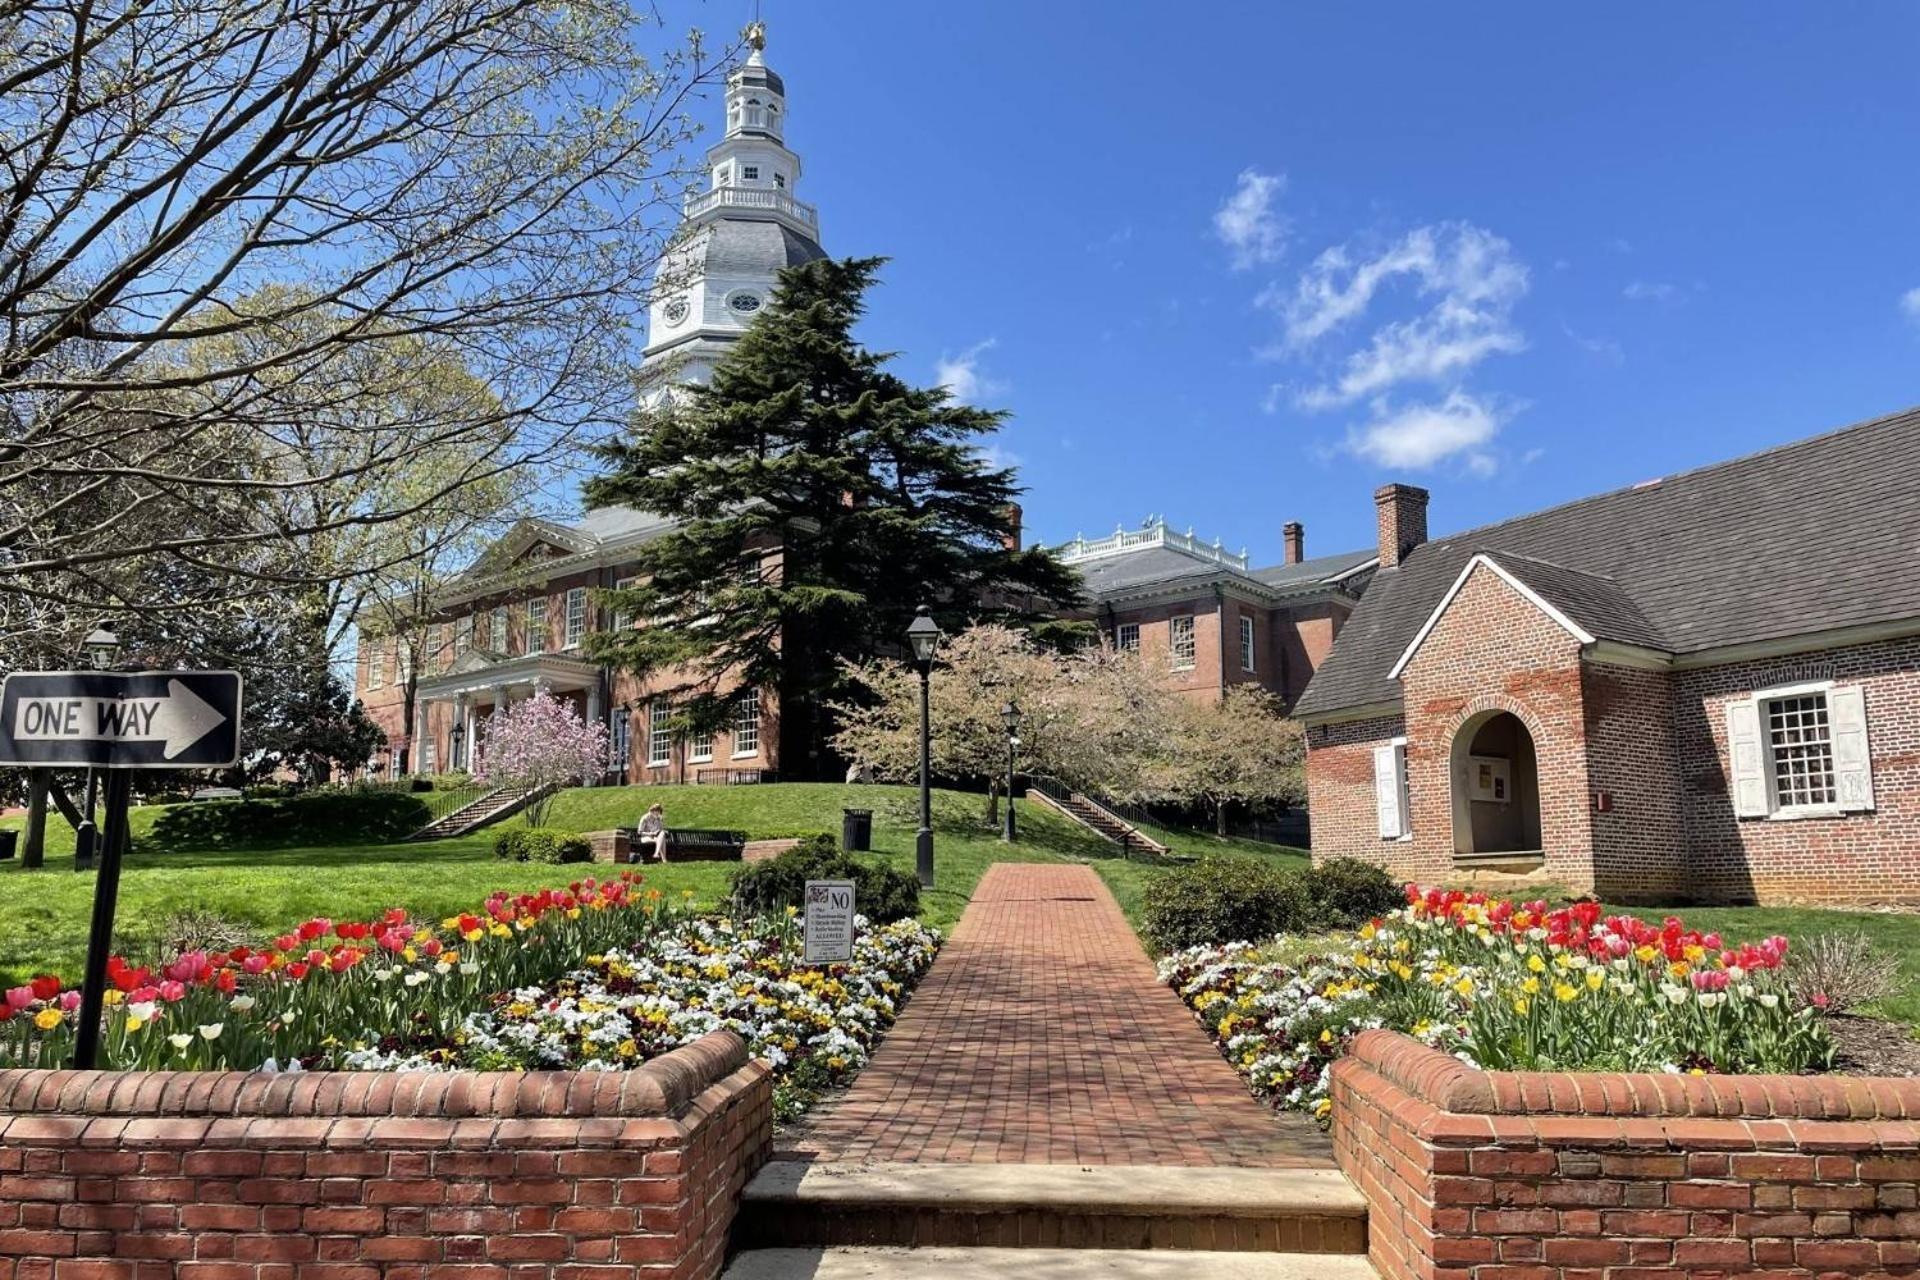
x=738, y=233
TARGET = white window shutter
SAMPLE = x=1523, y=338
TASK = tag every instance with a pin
x=1852, y=760
x=1386, y=791
x=1746, y=757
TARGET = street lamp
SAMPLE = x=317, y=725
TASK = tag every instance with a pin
x=924, y=637
x=458, y=737
x=1010, y=716
x=103, y=649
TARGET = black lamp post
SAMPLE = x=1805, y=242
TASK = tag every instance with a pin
x=457, y=737
x=924, y=637
x=103, y=653
x=1010, y=716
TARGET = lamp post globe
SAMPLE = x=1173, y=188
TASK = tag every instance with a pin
x=923, y=638
x=103, y=649
x=1010, y=717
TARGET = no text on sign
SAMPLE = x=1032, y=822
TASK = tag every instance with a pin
x=121, y=719
x=829, y=921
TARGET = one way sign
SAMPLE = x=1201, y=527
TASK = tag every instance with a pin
x=121, y=720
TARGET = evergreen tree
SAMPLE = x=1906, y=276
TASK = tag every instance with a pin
x=818, y=500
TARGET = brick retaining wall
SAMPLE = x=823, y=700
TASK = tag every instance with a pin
x=357, y=1176
x=1537, y=1176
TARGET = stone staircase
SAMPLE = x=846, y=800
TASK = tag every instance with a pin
x=501, y=802
x=1097, y=818
x=828, y=1221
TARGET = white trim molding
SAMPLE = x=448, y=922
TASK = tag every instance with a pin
x=1532, y=597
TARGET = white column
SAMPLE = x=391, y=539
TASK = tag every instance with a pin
x=463, y=712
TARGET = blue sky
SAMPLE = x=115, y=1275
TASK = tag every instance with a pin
x=1241, y=263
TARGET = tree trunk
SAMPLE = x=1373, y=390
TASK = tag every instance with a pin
x=33, y=853
x=1220, y=818
x=993, y=802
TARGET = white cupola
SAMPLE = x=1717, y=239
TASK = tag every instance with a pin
x=738, y=232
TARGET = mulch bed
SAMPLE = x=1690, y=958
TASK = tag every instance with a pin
x=1873, y=1047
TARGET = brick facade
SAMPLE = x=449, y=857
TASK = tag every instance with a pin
x=359, y=1176
x=1289, y=641
x=1537, y=1176
x=1632, y=766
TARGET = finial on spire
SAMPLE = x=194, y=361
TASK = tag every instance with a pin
x=756, y=35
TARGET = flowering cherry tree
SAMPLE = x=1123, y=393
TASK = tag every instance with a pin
x=541, y=743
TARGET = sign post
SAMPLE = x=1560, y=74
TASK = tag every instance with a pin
x=829, y=921
x=117, y=721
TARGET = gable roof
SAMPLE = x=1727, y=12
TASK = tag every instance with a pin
x=1812, y=536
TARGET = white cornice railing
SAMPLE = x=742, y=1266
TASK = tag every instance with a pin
x=1154, y=534
x=752, y=198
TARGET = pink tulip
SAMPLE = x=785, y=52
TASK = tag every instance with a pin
x=170, y=990
x=69, y=1000
x=19, y=998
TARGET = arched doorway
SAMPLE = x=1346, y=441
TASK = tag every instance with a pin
x=1496, y=787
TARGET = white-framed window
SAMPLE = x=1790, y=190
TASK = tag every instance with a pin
x=746, y=724
x=1126, y=637
x=427, y=754
x=700, y=747
x=1391, y=796
x=623, y=617
x=462, y=638
x=1799, y=751
x=1246, y=643
x=576, y=616
x=497, y=629
x=779, y=180
x=436, y=645
x=402, y=663
x=750, y=172
x=536, y=624
x=376, y=667
x=659, y=736
x=620, y=741
x=1180, y=643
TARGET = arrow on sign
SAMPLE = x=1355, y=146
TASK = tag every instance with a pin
x=179, y=719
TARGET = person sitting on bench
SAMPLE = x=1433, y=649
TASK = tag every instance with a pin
x=651, y=837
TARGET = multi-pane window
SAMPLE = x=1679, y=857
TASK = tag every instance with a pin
x=497, y=629
x=402, y=663
x=620, y=742
x=1126, y=636
x=427, y=755
x=1246, y=643
x=1800, y=741
x=750, y=172
x=779, y=179
x=462, y=638
x=1180, y=643
x=659, y=736
x=376, y=668
x=436, y=645
x=700, y=747
x=536, y=624
x=576, y=616
x=623, y=616
x=746, y=724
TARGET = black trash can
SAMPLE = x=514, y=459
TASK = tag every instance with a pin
x=856, y=829
x=8, y=839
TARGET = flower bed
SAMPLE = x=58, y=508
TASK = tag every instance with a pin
x=813, y=1024
x=1503, y=986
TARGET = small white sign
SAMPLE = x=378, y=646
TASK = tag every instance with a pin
x=829, y=921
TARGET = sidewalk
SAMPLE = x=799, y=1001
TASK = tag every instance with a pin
x=1042, y=1036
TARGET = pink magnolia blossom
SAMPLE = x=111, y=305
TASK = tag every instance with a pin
x=540, y=743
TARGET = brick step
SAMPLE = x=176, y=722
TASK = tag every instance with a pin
x=1054, y=1264
x=791, y=1204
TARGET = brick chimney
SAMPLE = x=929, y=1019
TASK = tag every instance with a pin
x=1011, y=539
x=1402, y=512
x=1294, y=535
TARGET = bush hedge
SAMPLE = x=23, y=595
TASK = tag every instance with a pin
x=881, y=893
x=1220, y=900
x=542, y=844
x=317, y=817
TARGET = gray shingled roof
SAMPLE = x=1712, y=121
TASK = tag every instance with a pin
x=1153, y=567
x=1817, y=534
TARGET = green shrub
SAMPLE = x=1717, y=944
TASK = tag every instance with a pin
x=1346, y=892
x=542, y=844
x=881, y=893
x=1219, y=900
x=316, y=817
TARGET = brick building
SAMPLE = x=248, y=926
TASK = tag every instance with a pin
x=1702, y=687
x=1213, y=619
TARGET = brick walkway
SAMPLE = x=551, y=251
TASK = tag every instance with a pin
x=1042, y=1036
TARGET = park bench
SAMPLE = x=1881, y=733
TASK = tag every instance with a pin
x=697, y=844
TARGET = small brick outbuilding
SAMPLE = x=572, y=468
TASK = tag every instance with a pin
x=1704, y=687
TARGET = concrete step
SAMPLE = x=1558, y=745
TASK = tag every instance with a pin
x=1040, y=1264
x=793, y=1203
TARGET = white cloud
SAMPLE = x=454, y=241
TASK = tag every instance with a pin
x=1418, y=436
x=1473, y=278
x=963, y=377
x=1602, y=349
x=1910, y=304
x=1247, y=223
x=1653, y=291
